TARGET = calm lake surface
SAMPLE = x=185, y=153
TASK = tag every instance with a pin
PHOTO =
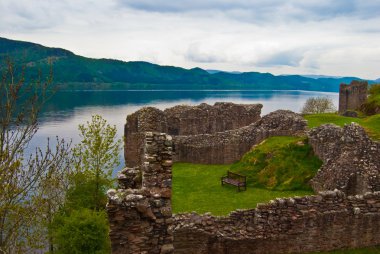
x=67, y=109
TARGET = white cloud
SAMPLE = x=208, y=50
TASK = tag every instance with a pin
x=322, y=37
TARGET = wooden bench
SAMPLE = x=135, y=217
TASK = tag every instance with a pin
x=235, y=179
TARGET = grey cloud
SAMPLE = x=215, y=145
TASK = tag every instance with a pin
x=257, y=10
x=198, y=55
x=284, y=58
x=25, y=15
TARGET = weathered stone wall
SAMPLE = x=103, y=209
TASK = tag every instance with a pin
x=184, y=120
x=321, y=222
x=351, y=160
x=141, y=219
x=146, y=119
x=352, y=96
x=204, y=118
x=229, y=146
x=140, y=212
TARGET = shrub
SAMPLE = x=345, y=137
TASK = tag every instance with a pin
x=81, y=231
x=317, y=105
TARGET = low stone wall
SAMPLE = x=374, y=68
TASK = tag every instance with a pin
x=321, y=222
x=184, y=120
x=229, y=146
x=351, y=160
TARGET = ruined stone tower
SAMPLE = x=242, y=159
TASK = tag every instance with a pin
x=139, y=212
x=352, y=96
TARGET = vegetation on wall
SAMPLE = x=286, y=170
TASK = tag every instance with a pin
x=372, y=104
x=279, y=163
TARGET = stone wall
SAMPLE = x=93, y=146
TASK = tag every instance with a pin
x=352, y=96
x=321, y=222
x=139, y=212
x=207, y=119
x=229, y=146
x=351, y=160
x=141, y=219
x=184, y=120
x=207, y=134
x=146, y=119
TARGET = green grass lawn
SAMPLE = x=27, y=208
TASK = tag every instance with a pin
x=371, y=124
x=197, y=188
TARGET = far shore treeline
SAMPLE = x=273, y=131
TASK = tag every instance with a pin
x=73, y=72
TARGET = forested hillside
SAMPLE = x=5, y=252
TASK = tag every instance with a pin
x=77, y=72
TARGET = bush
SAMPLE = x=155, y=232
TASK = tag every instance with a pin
x=81, y=231
x=318, y=105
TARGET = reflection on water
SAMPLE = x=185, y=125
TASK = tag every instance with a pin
x=66, y=110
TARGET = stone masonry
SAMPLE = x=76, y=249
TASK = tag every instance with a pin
x=352, y=96
x=141, y=220
x=351, y=160
x=344, y=214
x=327, y=221
x=184, y=120
x=139, y=212
x=207, y=134
x=229, y=146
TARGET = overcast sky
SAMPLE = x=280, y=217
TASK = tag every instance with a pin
x=330, y=37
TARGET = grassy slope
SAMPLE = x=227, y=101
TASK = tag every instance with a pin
x=197, y=188
x=279, y=163
x=371, y=124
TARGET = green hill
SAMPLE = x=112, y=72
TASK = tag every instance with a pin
x=77, y=72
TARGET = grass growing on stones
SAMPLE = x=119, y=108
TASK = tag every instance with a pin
x=371, y=124
x=197, y=188
x=279, y=163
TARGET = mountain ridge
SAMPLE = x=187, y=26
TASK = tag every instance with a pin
x=72, y=71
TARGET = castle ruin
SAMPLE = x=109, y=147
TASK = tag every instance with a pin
x=344, y=214
x=218, y=134
x=352, y=96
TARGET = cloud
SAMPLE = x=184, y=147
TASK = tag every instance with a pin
x=339, y=37
x=283, y=58
x=263, y=10
x=196, y=53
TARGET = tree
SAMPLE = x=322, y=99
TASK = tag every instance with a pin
x=318, y=105
x=82, y=226
x=97, y=155
x=23, y=176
